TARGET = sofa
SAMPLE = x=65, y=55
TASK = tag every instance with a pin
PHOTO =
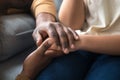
x=16, y=43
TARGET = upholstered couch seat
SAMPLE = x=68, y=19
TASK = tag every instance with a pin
x=16, y=43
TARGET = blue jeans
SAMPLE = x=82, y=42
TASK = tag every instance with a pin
x=81, y=65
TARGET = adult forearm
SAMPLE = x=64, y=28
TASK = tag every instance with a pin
x=47, y=6
x=31, y=74
x=36, y=61
x=43, y=17
x=100, y=44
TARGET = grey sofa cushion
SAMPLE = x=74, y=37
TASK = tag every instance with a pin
x=10, y=68
x=15, y=34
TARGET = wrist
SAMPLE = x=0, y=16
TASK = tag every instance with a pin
x=22, y=77
x=83, y=42
x=26, y=74
x=88, y=42
x=31, y=69
x=44, y=17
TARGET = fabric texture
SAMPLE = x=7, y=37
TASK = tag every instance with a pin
x=103, y=17
x=81, y=65
x=47, y=6
x=70, y=67
x=11, y=67
x=15, y=34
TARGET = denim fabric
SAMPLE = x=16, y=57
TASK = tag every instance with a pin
x=70, y=67
x=105, y=68
x=81, y=65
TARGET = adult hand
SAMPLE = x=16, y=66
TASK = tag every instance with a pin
x=36, y=61
x=46, y=27
x=54, y=52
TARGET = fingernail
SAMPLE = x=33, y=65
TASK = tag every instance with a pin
x=72, y=46
x=77, y=37
x=66, y=51
x=50, y=42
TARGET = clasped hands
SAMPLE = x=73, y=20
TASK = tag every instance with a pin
x=63, y=38
x=53, y=39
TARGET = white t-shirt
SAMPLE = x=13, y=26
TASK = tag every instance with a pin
x=103, y=17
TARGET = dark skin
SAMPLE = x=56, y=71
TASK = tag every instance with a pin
x=37, y=60
x=41, y=57
x=46, y=26
x=41, y=34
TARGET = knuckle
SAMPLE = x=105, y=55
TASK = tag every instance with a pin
x=59, y=24
x=51, y=25
x=65, y=44
x=63, y=34
x=34, y=31
x=69, y=31
x=46, y=46
x=54, y=34
x=34, y=36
